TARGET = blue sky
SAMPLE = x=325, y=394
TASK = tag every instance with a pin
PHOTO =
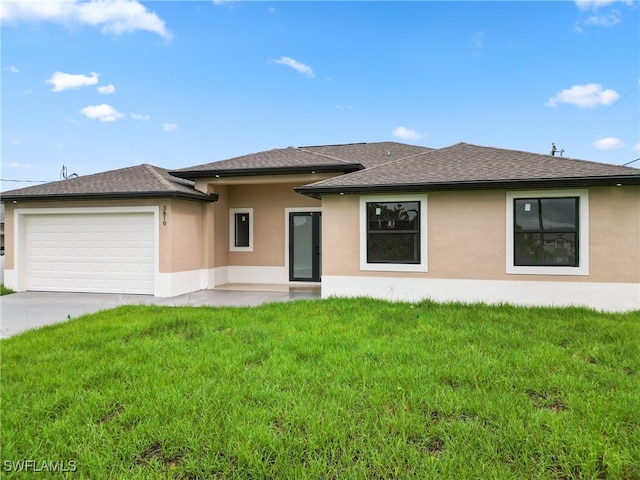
x=104, y=85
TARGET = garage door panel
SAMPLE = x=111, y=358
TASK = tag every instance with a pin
x=96, y=252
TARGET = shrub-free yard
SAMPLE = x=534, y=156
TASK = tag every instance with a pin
x=326, y=389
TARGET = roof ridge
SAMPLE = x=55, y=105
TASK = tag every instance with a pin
x=363, y=143
x=327, y=156
x=154, y=171
x=337, y=145
x=546, y=155
x=397, y=160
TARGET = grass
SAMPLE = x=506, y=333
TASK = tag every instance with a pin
x=333, y=389
x=5, y=291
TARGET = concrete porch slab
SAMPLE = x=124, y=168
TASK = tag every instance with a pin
x=29, y=310
x=269, y=287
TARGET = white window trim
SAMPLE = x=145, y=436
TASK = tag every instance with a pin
x=394, y=267
x=583, y=233
x=232, y=230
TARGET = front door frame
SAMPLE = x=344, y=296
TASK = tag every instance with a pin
x=288, y=245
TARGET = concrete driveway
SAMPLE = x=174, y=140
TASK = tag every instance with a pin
x=27, y=310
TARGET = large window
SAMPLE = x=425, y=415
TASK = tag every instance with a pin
x=393, y=233
x=547, y=232
x=241, y=229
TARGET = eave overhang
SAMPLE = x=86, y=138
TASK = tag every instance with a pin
x=247, y=172
x=617, y=180
x=110, y=196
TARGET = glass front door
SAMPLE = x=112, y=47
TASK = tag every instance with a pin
x=305, y=252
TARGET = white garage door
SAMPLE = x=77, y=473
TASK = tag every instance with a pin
x=90, y=252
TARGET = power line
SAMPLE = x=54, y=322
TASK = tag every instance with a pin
x=24, y=181
x=616, y=102
x=589, y=122
x=625, y=164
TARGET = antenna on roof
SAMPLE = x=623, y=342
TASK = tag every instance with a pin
x=64, y=175
x=554, y=150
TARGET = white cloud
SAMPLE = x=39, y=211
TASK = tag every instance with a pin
x=298, y=66
x=169, y=127
x=16, y=165
x=636, y=147
x=104, y=113
x=596, y=4
x=610, y=18
x=137, y=116
x=65, y=81
x=608, y=143
x=106, y=89
x=584, y=96
x=12, y=69
x=114, y=16
x=406, y=133
x=607, y=21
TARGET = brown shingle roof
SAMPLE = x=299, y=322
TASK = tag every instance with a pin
x=139, y=181
x=368, y=167
x=369, y=154
x=342, y=158
x=276, y=160
x=464, y=165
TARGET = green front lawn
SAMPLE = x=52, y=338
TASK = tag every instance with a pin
x=327, y=389
x=5, y=291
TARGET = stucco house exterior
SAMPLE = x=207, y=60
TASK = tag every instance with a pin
x=388, y=220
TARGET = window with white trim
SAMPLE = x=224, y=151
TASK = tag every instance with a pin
x=547, y=232
x=241, y=229
x=393, y=233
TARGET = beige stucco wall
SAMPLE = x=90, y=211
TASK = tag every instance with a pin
x=183, y=244
x=8, y=237
x=467, y=237
x=615, y=234
x=269, y=202
x=196, y=234
x=182, y=241
x=220, y=228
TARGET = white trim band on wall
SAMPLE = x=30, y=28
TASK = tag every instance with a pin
x=615, y=297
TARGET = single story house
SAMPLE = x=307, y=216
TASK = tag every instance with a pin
x=389, y=220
